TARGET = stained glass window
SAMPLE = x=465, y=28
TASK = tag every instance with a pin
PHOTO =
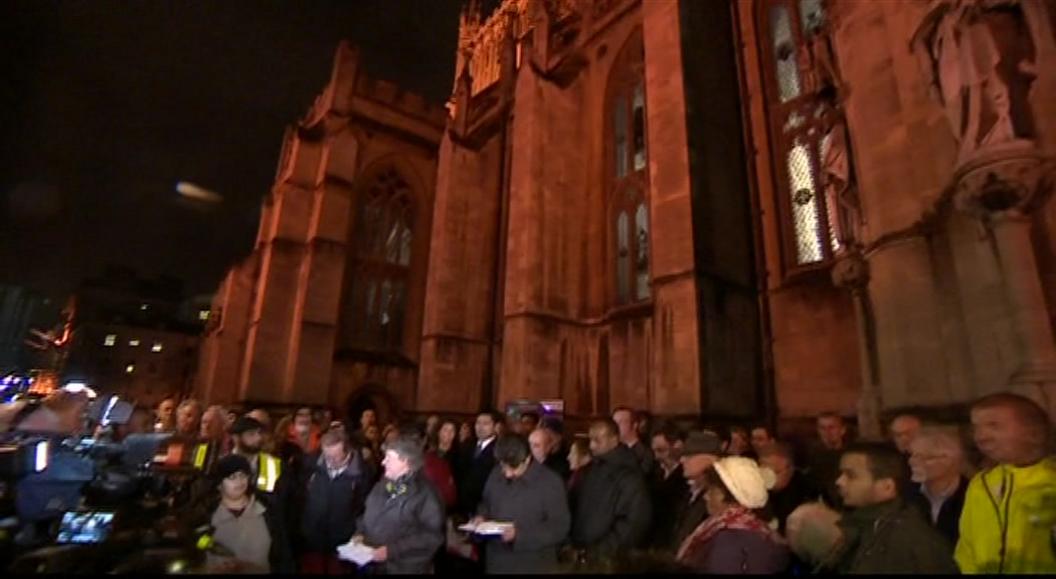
x=383, y=239
x=627, y=176
x=798, y=119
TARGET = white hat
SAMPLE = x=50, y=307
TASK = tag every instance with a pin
x=747, y=482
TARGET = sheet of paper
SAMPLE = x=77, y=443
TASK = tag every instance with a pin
x=486, y=528
x=358, y=553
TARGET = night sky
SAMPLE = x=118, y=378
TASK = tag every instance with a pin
x=106, y=105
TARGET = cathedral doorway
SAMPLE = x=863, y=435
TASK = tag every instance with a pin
x=374, y=397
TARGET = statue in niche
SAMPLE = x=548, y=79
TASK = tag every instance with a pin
x=822, y=78
x=979, y=60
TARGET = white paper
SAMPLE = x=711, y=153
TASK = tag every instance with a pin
x=486, y=528
x=358, y=553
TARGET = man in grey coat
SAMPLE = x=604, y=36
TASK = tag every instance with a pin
x=404, y=517
x=532, y=498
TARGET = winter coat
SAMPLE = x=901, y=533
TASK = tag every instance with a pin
x=1027, y=511
x=613, y=511
x=690, y=514
x=257, y=537
x=741, y=552
x=333, y=505
x=644, y=454
x=557, y=461
x=537, y=506
x=949, y=519
x=894, y=538
x=668, y=496
x=823, y=470
x=474, y=473
x=407, y=517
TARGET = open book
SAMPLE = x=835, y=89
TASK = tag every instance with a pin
x=358, y=553
x=486, y=528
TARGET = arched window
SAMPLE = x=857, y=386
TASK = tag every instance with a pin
x=626, y=173
x=801, y=109
x=381, y=263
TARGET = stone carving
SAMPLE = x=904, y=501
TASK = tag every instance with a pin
x=979, y=61
x=821, y=77
x=851, y=272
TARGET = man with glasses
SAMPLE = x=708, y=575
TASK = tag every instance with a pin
x=937, y=463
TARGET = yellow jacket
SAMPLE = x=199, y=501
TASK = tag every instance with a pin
x=1009, y=521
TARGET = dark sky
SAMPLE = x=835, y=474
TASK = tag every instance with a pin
x=106, y=105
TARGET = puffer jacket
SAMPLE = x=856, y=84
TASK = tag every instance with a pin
x=407, y=517
x=613, y=510
x=1021, y=500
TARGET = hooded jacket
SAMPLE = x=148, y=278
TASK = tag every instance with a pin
x=1008, y=524
x=613, y=510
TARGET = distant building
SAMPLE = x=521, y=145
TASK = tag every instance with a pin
x=23, y=309
x=135, y=337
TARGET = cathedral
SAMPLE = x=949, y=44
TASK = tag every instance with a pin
x=730, y=209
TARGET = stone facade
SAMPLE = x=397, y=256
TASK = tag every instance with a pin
x=841, y=211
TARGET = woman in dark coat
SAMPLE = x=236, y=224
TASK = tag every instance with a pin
x=532, y=498
x=733, y=539
x=404, y=517
x=249, y=535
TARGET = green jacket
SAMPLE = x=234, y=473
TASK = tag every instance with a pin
x=1008, y=524
x=892, y=537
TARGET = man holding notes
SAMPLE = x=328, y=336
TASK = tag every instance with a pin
x=524, y=506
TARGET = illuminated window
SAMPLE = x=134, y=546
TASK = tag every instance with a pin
x=130, y=368
x=157, y=347
x=203, y=315
x=133, y=342
x=627, y=178
x=110, y=340
x=799, y=117
x=381, y=263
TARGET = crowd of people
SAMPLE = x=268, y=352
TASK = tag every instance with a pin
x=627, y=495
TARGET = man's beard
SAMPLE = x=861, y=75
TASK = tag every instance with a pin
x=250, y=449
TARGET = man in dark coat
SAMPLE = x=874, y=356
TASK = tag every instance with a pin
x=546, y=448
x=532, y=497
x=613, y=512
x=667, y=487
x=628, y=421
x=404, y=516
x=936, y=462
x=791, y=488
x=882, y=534
x=476, y=463
x=700, y=451
x=824, y=457
x=336, y=494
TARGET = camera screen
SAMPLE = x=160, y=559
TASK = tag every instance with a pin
x=90, y=527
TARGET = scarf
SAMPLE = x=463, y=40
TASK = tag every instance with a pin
x=734, y=518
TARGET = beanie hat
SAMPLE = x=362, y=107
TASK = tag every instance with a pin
x=245, y=424
x=229, y=465
x=746, y=481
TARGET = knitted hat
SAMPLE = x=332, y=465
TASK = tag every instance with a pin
x=245, y=424
x=229, y=465
x=746, y=481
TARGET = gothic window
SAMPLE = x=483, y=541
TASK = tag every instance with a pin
x=800, y=109
x=628, y=199
x=381, y=263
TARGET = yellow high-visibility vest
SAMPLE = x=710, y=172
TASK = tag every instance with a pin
x=201, y=451
x=268, y=470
